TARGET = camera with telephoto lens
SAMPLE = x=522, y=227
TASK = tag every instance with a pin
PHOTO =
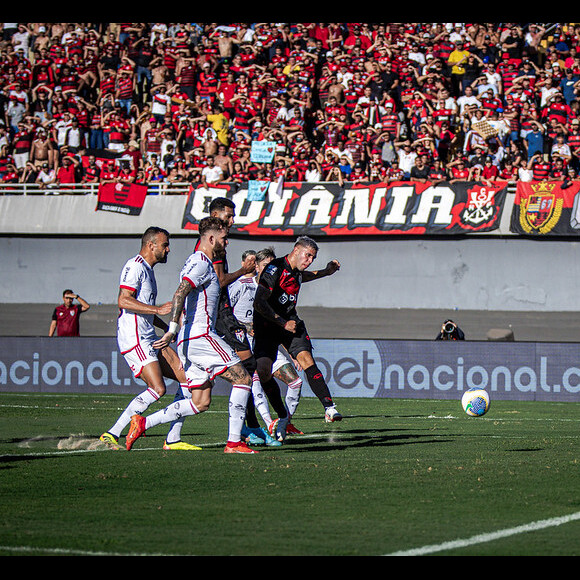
x=449, y=328
x=450, y=331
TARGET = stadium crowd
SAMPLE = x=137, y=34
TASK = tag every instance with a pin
x=182, y=103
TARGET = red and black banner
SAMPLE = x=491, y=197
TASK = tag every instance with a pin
x=120, y=198
x=546, y=207
x=329, y=209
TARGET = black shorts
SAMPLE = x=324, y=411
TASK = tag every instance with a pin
x=232, y=330
x=268, y=337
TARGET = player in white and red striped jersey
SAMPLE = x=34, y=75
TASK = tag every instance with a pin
x=138, y=318
x=203, y=353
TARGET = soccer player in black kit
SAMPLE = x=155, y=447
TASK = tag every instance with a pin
x=276, y=321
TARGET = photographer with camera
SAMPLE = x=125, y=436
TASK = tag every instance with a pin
x=450, y=331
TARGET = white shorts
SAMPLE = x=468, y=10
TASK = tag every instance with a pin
x=280, y=361
x=140, y=356
x=21, y=159
x=205, y=357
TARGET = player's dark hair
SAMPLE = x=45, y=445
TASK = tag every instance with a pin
x=307, y=242
x=247, y=253
x=220, y=203
x=150, y=233
x=262, y=255
x=211, y=223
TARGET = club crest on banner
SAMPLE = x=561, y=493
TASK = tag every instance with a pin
x=120, y=192
x=480, y=206
x=541, y=210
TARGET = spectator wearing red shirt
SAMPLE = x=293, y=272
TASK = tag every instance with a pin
x=125, y=87
x=126, y=174
x=558, y=171
x=21, y=144
x=207, y=83
x=66, y=174
x=91, y=172
x=226, y=90
x=358, y=173
x=508, y=171
x=244, y=113
x=109, y=172
x=541, y=167
x=395, y=172
x=151, y=142
x=357, y=38
x=118, y=130
x=186, y=72
x=458, y=171
x=11, y=175
x=490, y=171
x=557, y=109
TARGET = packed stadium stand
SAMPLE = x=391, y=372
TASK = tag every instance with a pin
x=179, y=104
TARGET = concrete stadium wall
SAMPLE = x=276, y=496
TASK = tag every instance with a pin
x=54, y=242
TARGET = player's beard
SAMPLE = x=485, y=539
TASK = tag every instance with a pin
x=162, y=259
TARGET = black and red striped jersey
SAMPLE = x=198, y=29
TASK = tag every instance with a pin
x=284, y=283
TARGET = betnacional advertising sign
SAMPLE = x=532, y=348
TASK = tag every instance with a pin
x=352, y=368
x=330, y=209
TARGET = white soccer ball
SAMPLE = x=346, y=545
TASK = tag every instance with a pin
x=475, y=402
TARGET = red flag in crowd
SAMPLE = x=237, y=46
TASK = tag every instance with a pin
x=117, y=197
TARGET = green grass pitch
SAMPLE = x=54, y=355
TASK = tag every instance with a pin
x=394, y=477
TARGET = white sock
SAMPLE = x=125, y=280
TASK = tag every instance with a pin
x=174, y=433
x=173, y=412
x=136, y=407
x=293, y=396
x=260, y=399
x=237, y=411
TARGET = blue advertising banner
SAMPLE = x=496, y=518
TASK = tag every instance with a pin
x=352, y=368
x=445, y=369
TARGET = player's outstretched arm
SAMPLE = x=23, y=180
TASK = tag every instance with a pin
x=332, y=267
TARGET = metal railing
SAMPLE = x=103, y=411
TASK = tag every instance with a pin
x=160, y=188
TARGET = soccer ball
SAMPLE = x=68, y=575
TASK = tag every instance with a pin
x=475, y=402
